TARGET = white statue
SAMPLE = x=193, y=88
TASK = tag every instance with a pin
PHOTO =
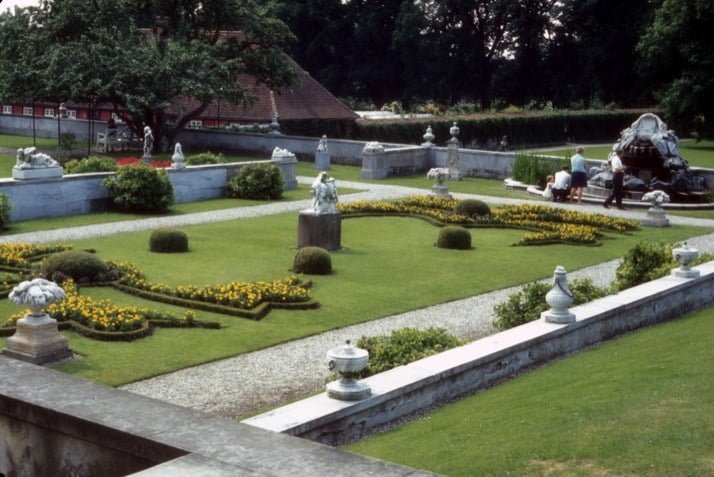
x=374, y=146
x=29, y=158
x=148, y=141
x=322, y=145
x=178, y=160
x=324, y=194
x=656, y=198
x=36, y=294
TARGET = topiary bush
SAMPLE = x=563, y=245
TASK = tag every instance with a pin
x=257, y=181
x=168, y=241
x=529, y=302
x=472, y=208
x=313, y=261
x=5, y=208
x=404, y=346
x=140, y=188
x=205, y=158
x=81, y=266
x=454, y=237
x=90, y=164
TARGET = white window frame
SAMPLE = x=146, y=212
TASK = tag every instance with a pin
x=7, y=109
x=27, y=111
x=71, y=114
x=195, y=124
x=49, y=112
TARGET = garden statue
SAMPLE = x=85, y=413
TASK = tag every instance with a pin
x=30, y=158
x=37, y=338
x=178, y=160
x=452, y=153
x=503, y=145
x=148, y=143
x=440, y=174
x=322, y=156
x=655, y=214
x=324, y=193
x=374, y=146
x=322, y=144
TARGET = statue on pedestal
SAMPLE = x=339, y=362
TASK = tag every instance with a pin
x=324, y=194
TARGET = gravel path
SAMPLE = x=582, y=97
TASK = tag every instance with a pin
x=263, y=379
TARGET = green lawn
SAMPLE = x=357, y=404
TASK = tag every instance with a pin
x=374, y=277
x=699, y=154
x=640, y=405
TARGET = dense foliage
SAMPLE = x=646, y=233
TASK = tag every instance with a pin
x=404, y=346
x=472, y=208
x=168, y=241
x=257, y=181
x=205, y=158
x=5, y=208
x=533, y=169
x=454, y=237
x=644, y=262
x=81, y=266
x=312, y=261
x=90, y=164
x=140, y=188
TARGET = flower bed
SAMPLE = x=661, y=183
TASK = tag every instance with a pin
x=16, y=256
x=544, y=225
x=100, y=319
x=132, y=161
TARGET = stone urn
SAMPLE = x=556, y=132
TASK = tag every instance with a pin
x=428, y=137
x=685, y=255
x=454, y=131
x=559, y=298
x=348, y=361
x=37, y=338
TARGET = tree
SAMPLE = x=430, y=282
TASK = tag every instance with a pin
x=142, y=56
x=676, y=49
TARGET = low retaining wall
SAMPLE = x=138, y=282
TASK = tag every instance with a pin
x=83, y=193
x=428, y=382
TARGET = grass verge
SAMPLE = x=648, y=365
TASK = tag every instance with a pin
x=639, y=405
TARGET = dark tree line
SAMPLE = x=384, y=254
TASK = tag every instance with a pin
x=574, y=53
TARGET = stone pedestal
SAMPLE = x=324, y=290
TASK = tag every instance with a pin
x=655, y=218
x=319, y=230
x=452, y=160
x=37, y=340
x=440, y=190
x=348, y=389
x=322, y=161
x=37, y=173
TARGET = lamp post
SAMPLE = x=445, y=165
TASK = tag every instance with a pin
x=60, y=112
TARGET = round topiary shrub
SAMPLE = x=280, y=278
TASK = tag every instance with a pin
x=81, y=266
x=257, y=181
x=313, y=261
x=472, y=207
x=168, y=241
x=453, y=236
x=140, y=188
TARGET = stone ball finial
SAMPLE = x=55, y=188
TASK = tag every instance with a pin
x=454, y=131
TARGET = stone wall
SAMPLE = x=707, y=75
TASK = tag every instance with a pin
x=83, y=193
x=428, y=382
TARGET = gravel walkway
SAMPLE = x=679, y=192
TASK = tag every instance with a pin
x=262, y=379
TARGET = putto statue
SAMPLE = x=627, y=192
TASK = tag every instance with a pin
x=148, y=142
x=29, y=158
x=322, y=144
x=324, y=194
x=178, y=159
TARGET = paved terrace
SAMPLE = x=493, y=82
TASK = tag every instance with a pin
x=258, y=380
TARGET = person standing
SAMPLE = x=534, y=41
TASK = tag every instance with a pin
x=579, y=174
x=618, y=177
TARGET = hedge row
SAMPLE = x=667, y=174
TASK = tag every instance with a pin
x=256, y=313
x=521, y=130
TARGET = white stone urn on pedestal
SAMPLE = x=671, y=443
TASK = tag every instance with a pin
x=37, y=338
x=348, y=361
x=559, y=298
x=685, y=255
x=428, y=137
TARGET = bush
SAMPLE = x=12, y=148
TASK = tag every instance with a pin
x=5, y=208
x=257, y=181
x=205, y=158
x=313, y=261
x=404, y=346
x=529, y=302
x=454, y=237
x=81, y=266
x=168, y=241
x=90, y=164
x=644, y=262
x=140, y=188
x=472, y=208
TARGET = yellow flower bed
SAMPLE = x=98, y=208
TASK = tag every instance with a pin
x=548, y=224
x=96, y=314
x=20, y=254
x=245, y=295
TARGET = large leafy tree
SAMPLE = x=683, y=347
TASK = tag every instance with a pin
x=143, y=56
x=677, y=50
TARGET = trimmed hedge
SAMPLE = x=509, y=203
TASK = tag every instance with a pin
x=78, y=265
x=472, y=207
x=140, y=188
x=313, y=261
x=258, y=182
x=168, y=241
x=454, y=237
